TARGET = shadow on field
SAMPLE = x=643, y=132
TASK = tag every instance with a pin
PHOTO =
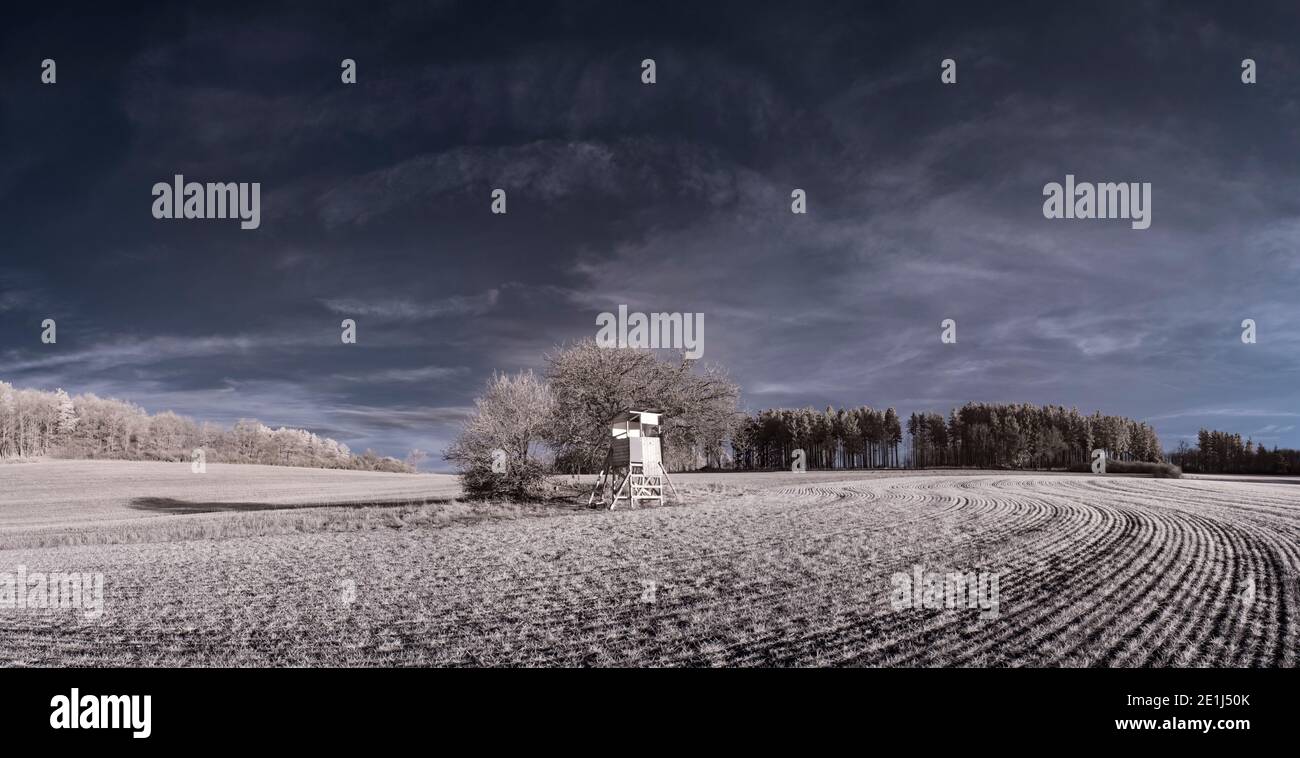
x=1248, y=479
x=179, y=507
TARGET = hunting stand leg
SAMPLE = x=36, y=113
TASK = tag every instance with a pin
x=605, y=473
x=664, y=471
x=618, y=490
x=600, y=487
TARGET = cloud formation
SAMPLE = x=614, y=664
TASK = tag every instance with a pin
x=924, y=204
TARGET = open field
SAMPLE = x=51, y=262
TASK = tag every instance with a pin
x=54, y=503
x=756, y=569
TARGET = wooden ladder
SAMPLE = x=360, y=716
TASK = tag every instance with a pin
x=639, y=486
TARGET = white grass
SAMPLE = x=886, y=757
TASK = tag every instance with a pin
x=757, y=569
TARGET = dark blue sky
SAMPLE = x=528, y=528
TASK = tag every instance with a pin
x=924, y=204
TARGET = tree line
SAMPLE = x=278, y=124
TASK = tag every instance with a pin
x=1026, y=436
x=35, y=423
x=985, y=435
x=1223, y=453
x=835, y=438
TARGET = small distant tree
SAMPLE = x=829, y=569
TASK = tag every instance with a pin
x=415, y=458
x=500, y=448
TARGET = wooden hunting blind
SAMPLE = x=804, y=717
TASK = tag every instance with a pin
x=634, y=461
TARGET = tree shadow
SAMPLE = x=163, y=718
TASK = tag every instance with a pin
x=180, y=507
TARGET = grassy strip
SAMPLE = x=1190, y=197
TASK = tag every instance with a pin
x=283, y=520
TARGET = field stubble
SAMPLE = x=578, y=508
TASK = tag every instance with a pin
x=755, y=569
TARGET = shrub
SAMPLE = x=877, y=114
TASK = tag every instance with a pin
x=508, y=426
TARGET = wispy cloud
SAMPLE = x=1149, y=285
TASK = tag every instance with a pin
x=1273, y=429
x=118, y=351
x=1229, y=412
x=405, y=418
x=408, y=310
x=404, y=375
